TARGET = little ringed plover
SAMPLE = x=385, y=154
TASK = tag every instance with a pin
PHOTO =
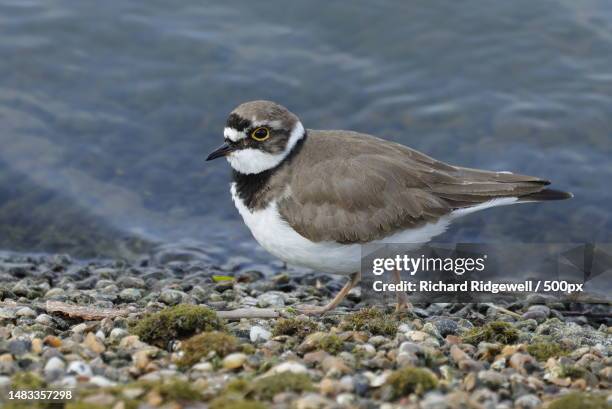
x=312, y=197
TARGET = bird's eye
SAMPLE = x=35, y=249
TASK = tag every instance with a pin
x=260, y=134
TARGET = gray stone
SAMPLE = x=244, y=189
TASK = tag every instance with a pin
x=26, y=312
x=79, y=368
x=259, y=334
x=271, y=299
x=527, y=402
x=172, y=297
x=54, y=367
x=44, y=319
x=19, y=347
x=130, y=295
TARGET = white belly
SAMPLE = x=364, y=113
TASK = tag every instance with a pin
x=278, y=238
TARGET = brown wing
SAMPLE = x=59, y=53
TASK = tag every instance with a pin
x=353, y=188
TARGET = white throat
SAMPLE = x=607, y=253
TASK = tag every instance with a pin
x=250, y=161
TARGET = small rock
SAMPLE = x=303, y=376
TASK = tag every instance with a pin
x=334, y=366
x=203, y=367
x=44, y=319
x=527, y=402
x=234, y=361
x=130, y=295
x=79, y=368
x=315, y=357
x=259, y=334
x=172, y=297
x=117, y=334
x=101, y=382
x=25, y=312
x=52, y=341
x=93, y=343
x=273, y=299
x=141, y=359
x=80, y=328
x=19, y=347
x=289, y=366
x=312, y=401
x=537, y=312
x=491, y=378
x=54, y=367
x=37, y=345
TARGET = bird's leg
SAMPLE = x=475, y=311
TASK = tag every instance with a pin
x=316, y=310
x=402, y=298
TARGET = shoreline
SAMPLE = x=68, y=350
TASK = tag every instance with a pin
x=520, y=354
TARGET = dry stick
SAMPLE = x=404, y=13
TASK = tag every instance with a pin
x=87, y=312
x=249, y=313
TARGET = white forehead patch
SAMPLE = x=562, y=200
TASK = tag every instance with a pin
x=233, y=134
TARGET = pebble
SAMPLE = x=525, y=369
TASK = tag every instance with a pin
x=172, y=297
x=52, y=341
x=130, y=295
x=79, y=368
x=528, y=402
x=271, y=299
x=117, y=334
x=26, y=312
x=54, y=367
x=19, y=347
x=93, y=343
x=44, y=319
x=259, y=334
x=234, y=361
x=289, y=366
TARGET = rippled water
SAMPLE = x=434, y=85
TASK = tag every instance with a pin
x=107, y=109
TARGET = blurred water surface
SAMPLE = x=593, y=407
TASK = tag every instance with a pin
x=107, y=109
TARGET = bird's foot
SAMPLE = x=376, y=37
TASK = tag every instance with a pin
x=403, y=305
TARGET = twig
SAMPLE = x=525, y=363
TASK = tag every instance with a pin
x=87, y=313
x=249, y=313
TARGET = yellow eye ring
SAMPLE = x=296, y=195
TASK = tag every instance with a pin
x=260, y=134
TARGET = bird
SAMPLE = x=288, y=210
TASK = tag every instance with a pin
x=312, y=198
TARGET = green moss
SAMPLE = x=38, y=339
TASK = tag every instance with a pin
x=267, y=387
x=180, y=321
x=544, y=350
x=411, y=380
x=573, y=371
x=330, y=343
x=235, y=402
x=84, y=405
x=201, y=345
x=580, y=400
x=496, y=331
x=294, y=327
x=372, y=320
x=27, y=380
x=177, y=390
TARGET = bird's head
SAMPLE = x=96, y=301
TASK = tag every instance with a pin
x=258, y=136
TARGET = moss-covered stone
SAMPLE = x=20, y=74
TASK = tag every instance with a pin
x=235, y=402
x=573, y=371
x=27, y=381
x=372, y=320
x=265, y=388
x=496, y=331
x=411, y=380
x=544, y=350
x=331, y=343
x=177, y=322
x=177, y=390
x=201, y=345
x=296, y=327
x=580, y=400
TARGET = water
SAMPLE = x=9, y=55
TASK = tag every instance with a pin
x=107, y=109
